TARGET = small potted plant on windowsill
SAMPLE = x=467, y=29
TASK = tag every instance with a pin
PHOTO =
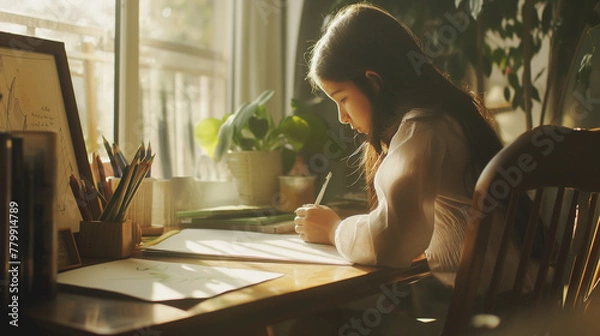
x=257, y=150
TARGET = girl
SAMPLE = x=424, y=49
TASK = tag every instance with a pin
x=427, y=142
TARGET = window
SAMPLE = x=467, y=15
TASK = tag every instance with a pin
x=184, y=48
x=182, y=68
x=87, y=28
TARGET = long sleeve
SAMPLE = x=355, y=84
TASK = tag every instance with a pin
x=406, y=184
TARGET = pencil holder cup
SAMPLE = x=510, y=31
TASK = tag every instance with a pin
x=113, y=240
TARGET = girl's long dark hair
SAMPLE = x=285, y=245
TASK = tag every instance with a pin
x=364, y=37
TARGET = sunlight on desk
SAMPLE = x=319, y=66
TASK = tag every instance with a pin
x=160, y=281
x=248, y=245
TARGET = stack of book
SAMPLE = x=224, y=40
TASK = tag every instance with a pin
x=239, y=217
x=29, y=234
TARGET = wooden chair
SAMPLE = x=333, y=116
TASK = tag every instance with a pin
x=567, y=161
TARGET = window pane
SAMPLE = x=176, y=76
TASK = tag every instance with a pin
x=183, y=76
x=180, y=21
x=87, y=29
x=184, y=60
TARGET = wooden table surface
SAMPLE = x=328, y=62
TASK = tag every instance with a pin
x=303, y=288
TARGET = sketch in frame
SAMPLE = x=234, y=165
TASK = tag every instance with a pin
x=36, y=93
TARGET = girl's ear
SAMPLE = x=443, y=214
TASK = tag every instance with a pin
x=374, y=79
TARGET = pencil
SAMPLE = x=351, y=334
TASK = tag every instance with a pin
x=105, y=187
x=149, y=155
x=142, y=149
x=120, y=158
x=91, y=196
x=113, y=162
x=323, y=188
x=86, y=214
x=133, y=175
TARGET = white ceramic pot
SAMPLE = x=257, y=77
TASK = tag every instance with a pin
x=256, y=176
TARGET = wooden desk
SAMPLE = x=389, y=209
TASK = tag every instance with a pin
x=303, y=288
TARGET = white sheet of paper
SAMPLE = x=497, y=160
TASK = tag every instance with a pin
x=161, y=281
x=249, y=245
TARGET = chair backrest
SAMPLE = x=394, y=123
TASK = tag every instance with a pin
x=565, y=160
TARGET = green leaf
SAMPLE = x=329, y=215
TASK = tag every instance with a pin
x=510, y=8
x=519, y=30
x=539, y=75
x=243, y=114
x=206, y=135
x=517, y=64
x=535, y=19
x=264, y=97
x=518, y=99
x=225, y=136
x=261, y=112
x=547, y=17
x=247, y=110
x=509, y=31
x=318, y=133
x=295, y=104
x=513, y=80
x=296, y=130
x=507, y=93
x=503, y=64
x=535, y=94
x=498, y=55
x=248, y=143
x=258, y=127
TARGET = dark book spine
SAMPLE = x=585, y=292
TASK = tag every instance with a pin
x=44, y=229
x=22, y=193
x=36, y=226
x=5, y=208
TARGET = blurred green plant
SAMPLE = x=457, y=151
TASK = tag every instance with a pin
x=252, y=128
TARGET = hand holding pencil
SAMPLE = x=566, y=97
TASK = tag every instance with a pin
x=316, y=223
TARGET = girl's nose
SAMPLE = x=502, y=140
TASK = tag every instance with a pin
x=343, y=116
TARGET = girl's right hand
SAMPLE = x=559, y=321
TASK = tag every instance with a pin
x=316, y=224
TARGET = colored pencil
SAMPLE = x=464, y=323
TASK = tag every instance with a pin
x=113, y=161
x=83, y=206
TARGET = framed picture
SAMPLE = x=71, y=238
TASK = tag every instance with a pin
x=36, y=93
x=68, y=254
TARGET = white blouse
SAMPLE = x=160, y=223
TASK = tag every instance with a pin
x=423, y=187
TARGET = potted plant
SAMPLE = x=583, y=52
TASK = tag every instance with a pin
x=256, y=149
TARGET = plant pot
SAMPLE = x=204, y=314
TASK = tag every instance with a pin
x=256, y=175
x=296, y=190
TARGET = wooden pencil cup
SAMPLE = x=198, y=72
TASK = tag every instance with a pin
x=99, y=239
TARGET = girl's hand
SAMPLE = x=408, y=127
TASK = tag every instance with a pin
x=316, y=224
